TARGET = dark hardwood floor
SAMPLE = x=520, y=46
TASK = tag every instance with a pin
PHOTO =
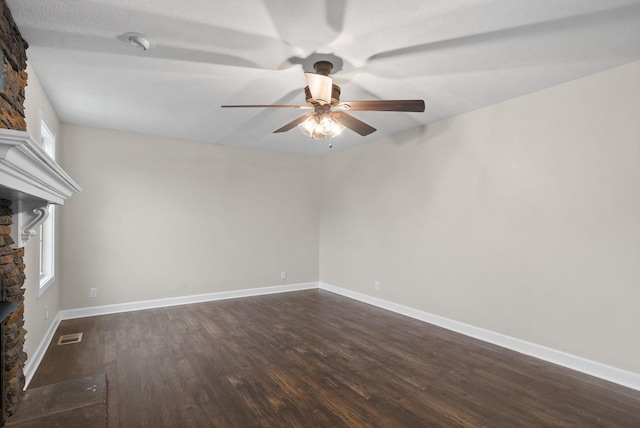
x=316, y=359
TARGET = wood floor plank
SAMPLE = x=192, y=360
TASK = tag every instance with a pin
x=313, y=358
x=74, y=403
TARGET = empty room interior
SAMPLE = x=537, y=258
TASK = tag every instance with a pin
x=320, y=213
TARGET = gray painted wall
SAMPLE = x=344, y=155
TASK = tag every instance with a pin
x=160, y=218
x=522, y=218
x=36, y=106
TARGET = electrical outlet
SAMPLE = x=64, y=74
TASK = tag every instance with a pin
x=376, y=285
x=283, y=274
x=93, y=292
x=46, y=312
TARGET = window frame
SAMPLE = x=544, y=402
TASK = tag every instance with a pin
x=46, y=235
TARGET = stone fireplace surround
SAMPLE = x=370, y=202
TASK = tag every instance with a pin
x=29, y=182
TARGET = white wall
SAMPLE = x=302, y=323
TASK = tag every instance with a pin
x=522, y=218
x=36, y=106
x=160, y=218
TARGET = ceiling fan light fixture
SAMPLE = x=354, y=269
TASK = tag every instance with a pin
x=322, y=95
x=317, y=135
x=318, y=127
x=326, y=125
x=330, y=126
x=320, y=87
x=312, y=127
x=308, y=126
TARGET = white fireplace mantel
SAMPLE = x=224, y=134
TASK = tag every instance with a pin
x=32, y=180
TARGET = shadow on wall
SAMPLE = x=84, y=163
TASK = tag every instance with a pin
x=420, y=135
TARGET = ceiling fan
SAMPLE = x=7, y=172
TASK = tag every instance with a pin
x=322, y=95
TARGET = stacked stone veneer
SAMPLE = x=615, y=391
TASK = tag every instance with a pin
x=14, y=50
x=12, y=271
x=14, y=55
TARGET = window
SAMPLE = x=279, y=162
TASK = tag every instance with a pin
x=46, y=244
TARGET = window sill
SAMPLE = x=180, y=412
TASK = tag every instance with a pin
x=45, y=283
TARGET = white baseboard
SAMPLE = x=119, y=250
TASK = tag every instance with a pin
x=602, y=371
x=33, y=361
x=183, y=300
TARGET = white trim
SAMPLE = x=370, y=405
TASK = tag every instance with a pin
x=47, y=228
x=44, y=123
x=36, y=217
x=44, y=285
x=593, y=368
x=33, y=361
x=31, y=179
x=27, y=169
x=182, y=300
x=47, y=252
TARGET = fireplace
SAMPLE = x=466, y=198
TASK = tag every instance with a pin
x=12, y=332
x=29, y=182
x=6, y=309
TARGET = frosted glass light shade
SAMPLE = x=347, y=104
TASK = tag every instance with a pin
x=308, y=126
x=320, y=87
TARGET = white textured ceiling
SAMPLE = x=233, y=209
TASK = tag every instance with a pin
x=457, y=55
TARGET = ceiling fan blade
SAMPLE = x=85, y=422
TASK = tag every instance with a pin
x=383, y=105
x=320, y=87
x=295, y=122
x=267, y=106
x=356, y=125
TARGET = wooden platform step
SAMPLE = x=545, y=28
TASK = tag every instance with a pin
x=78, y=403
